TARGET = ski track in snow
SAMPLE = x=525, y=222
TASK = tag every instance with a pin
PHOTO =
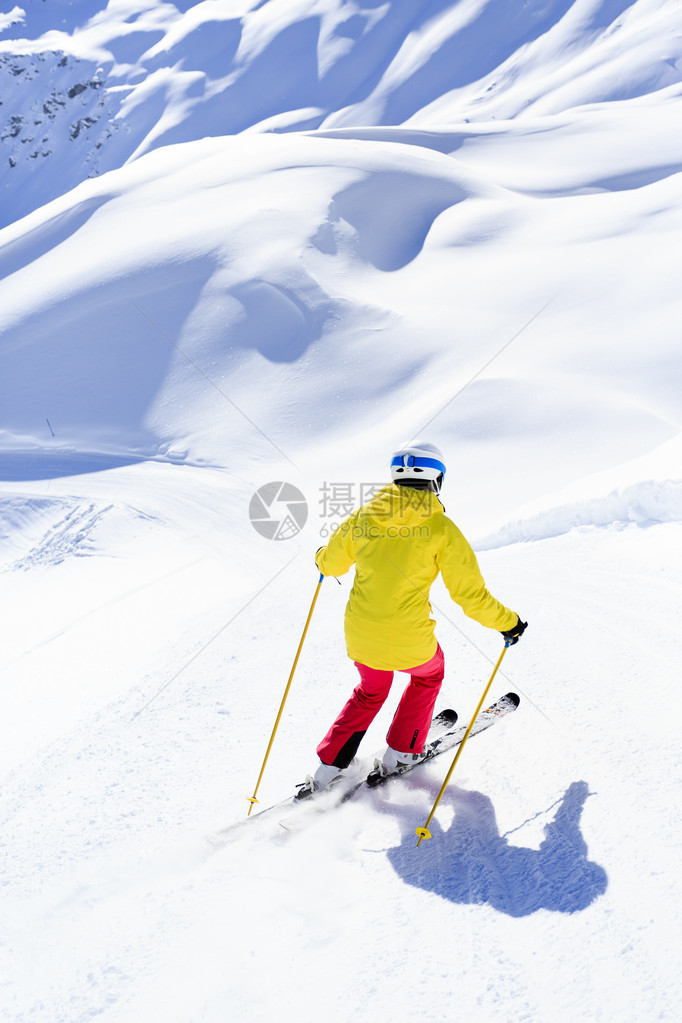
x=450, y=219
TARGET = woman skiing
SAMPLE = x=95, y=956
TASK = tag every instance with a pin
x=399, y=542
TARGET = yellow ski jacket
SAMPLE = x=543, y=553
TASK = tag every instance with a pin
x=399, y=542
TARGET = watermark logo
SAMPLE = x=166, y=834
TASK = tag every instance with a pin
x=278, y=511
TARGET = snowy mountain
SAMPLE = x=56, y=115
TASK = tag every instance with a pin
x=268, y=241
x=88, y=87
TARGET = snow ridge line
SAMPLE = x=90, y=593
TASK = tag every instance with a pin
x=649, y=502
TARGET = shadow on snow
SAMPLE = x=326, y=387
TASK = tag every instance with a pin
x=471, y=863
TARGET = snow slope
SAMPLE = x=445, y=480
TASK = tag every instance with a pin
x=455, y=220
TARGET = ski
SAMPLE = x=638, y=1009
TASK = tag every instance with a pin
x=449, y=740
x=443, y=736
x=441, y=726
x=348, y=783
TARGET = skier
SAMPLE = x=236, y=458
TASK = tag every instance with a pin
x=399, y=541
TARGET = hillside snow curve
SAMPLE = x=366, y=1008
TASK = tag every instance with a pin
x=85, y=89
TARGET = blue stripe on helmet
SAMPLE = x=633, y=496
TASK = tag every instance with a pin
x=420, y=461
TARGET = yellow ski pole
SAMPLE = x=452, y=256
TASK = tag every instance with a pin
x=424, y=832
x=253, y=799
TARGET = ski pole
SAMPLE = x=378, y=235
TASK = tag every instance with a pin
x=253, y=799
x=424, y=832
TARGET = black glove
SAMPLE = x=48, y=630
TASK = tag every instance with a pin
x=514, y=634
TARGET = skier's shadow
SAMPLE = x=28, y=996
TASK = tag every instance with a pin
x=471, y=863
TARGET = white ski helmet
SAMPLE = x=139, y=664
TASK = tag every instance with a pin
x=419, y=463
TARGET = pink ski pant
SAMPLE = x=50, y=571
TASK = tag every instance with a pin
x=410, y=725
